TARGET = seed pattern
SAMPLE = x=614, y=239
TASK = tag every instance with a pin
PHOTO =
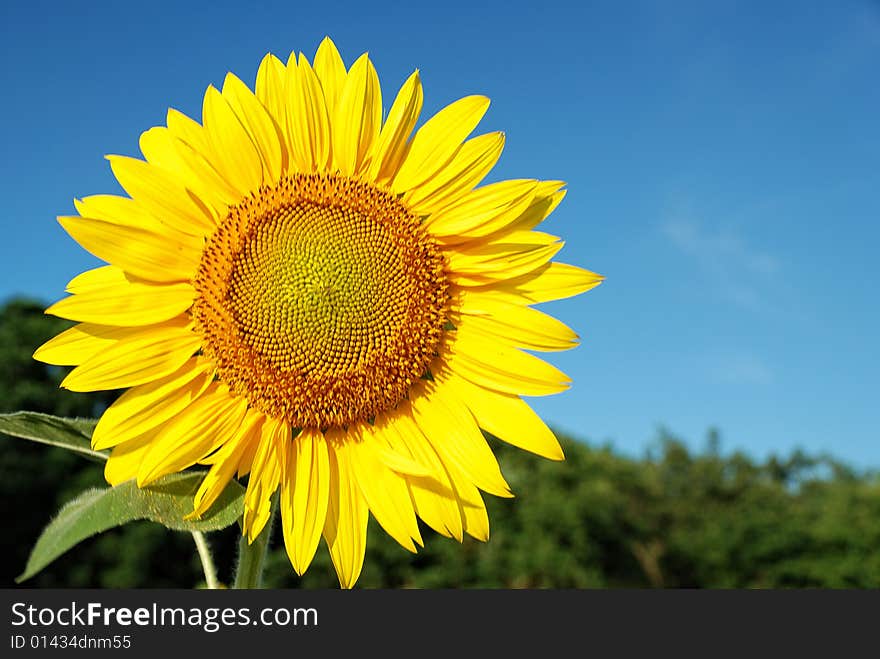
x=321, y=300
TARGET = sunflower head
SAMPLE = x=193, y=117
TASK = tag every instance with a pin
x=321, y=300
x=326, y=302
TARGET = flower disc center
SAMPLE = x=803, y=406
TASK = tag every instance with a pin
x=321, y=300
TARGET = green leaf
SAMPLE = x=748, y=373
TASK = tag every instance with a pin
x=70, y=434
x=166, y=501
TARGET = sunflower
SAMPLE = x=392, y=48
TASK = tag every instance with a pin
x=329, y=303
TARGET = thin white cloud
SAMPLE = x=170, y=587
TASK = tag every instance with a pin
x=739, y=269
x=741, y=368
x=710, y=246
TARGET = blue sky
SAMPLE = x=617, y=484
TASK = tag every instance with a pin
x=722, y=159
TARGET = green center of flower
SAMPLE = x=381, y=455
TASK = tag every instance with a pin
x=321, y=300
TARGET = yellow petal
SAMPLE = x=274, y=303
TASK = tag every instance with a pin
x=402, y=464
x=234, y=154
x=393, y=452
x=502, y=368
x=208, y=186
x=305, y=492
x=391, y=146
x=162, y=149
x=514, y=324
x=498, y=231
x=440, y=511
x=266, y=469
x=307, y=122
x=330, y=70
x=143, y=408
x=434, y=498
x=129, y=305
x=438, y=139
x=127, y=212
x=507, y=241
x=157, y=145
x=200, y=429
x=455, y=436
x=260, y=126
x=159, y=192
x=549, y=188
x=385, y=491
x=80, y=342
x=345, y=528
x=106, y=275
x=455, y=506
x=507, y=417
x=357, y=118
x=517, y=254
x=270, y=91
x=473, y=509
x=470, y=165
x=188, y=130
x=145, y=254
x=125, y=460
x=224, y=463
x=247, y=458
x=553, y=281
x=136, y=360
x=547, y=197
x=484, y=210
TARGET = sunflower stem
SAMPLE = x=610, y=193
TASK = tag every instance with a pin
x=252, y=556
x=207, y=561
